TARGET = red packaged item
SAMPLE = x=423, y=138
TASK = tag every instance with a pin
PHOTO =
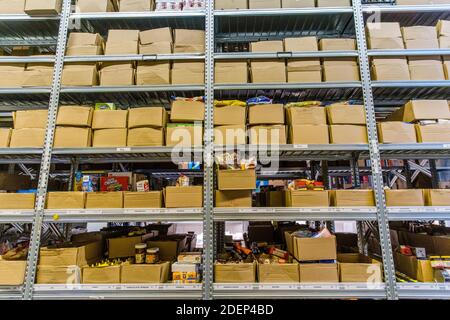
x=114, y=183
x=279, y=253
x=406, y=250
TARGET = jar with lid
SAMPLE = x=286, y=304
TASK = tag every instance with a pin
x=152, y=256
x=139, y=256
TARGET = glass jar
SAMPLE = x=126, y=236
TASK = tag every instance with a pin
x=139, y=255
x=152, y=256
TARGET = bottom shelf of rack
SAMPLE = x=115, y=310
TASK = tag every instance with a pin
x=10, y=292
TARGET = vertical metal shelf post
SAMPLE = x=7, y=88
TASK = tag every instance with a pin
x=35, y=239
x=382, y=218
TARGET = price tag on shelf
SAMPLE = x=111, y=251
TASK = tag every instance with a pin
x=446, y=146
x=300, y=146
x=123, y=149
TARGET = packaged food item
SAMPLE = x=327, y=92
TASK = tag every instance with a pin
x=182, y=181
x=140, y=250
x=173, y=5
x=232, y=161
x=105, y=106
x=90, y=183
x=142, y=186
x=114, y=183
x=152, y=256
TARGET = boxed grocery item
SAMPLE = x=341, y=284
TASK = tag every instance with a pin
x=12, y=273
x=153, y=73
x=389, y=69
x=396, y=132
x=384, y=35
x=348, y=134
x=5, y=137
x=233, y=199
x=309, y=134
x=418, y=110
x=156, y=48
x=266, y=114
x=230, y=115
x=230, y=135
x=352, y=198
x=71, y=254
x=70, y=274
x=151, y=199
x=301, y=43
x=405, y=198
x=337, y=44
x=190, y=257
x=117, y=74
x=189, y=41
x=169, y=247
x=27, y=138
x=278, y=273
x=420, y=270
x=306, y=198
x=235, y=272
x=183, y=197
x=98, y=275
x=267, y=71
x=66, y=200
x=110, y=119
x=304, y=71
x=268, y=135
x=437, y=197
x=147, y=117
x=236, y=179
x=17, y=200
x=187, y=111
x=420, y=37
x=96, y=6
x=306, y=115
x=184, y=135
x=231, y=4
x=135, y=5
x=12, y=6
x=334, y=3
x=43, y=7
x=439, y=132
x=30, y=119
x=298, y=4
x=145, y=137
x=313, y=249
x=122, y=42
x=183, y=273
x=267, y=46
x=346, y=114
x=355, y=267
x=340, y=73
x=145, y=273
x=81, y=74
x=231, y=72
x=426, y=69
x=186, y=72
x=264, y=4
x=72, y=137
x=76, y=116
x=104, y=200
x=318, y=272
x=109, y=138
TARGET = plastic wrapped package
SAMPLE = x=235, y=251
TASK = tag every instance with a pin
x=174, y=5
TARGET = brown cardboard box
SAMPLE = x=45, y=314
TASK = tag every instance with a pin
x=267, y=46
x=433, y=133
x=340, y=73
x=96, y=6
x=426, y=70
x=152, y=199
x=231, y=72
x=27, y=138
x=14, y=182
x=276, y=199
x=444, y=42
x=156, y=36
x=233, y=199
x=17, y=200
x=236, y=179
x=58, y=274
x=123, y=247
x=84, y=39
x=422, y=44
x=71, y=254
x=306, y=115
x=405, y=198
x=355, y=267
x=187, y=40
x=76, y=116
x=334, y=3
x=304, y=71
x=447, y=69
x=187, y=111
x=267, y=71
x=80, y=75
x=417, y=110
x=156, y=48
x=11, y=78
x=169, y=247
x=147, y=117
x=419, y=33
x=230, y=135
x=104, y=200
x=120, y=74
x=266, y=114
x=309, y=134
x=390, y=69
x=30, y=119
x=318, y=272
x=85, y=50
x=43, y=7
x=184, y=135
x=264, y=4
x=396, y=132
x=300, y=198
x=104, y=275
x=145, y=137
x=66, y=200
x=5, y=137
x=348, y=134
x=278, y=273
x=122, y=42
x=352, y=198
x=12, y=273
x=268, y=135
x=298, y=3
x=110, y=119
x=230, y=115
x=443, y=28
x=312, y=249
x=346, y=114
x=337, y=44
x=420, y=270
x=183, y=197
x=146, y=273
x=231, y=4
x=72, y=137
x=135, y=5
x=385, y=43
x=152, y=73
x=234, y=272
x=383, y=30
x=12, y=6
x=185, y=72
x=109, y=138
x=38, y=77
x=301, y=43
x=437, y=197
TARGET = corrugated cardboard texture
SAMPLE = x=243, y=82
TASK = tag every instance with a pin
x=12, y=6
x=58, y=275
x=422, y=44
x=337, y=44
x=184, y=135
x=187, y=111
x=267, y=71
x=278, y=273
x=354, y=267
x=117, y=77
x=384, y=30
x=100, y=200
x=5, y=137
x=80, y=75
x=264, y=4
x=145, y=137
x=153, y=73
x=268, y=135
x=79, y=256
x=340, y=73
x=72, y=137
x=156, y=48
x=230, y=135
x=236, y=179
x=135, y=5
x=30, y=119
x=12, y=273
x=348, y=134
x=235, y=273
x=27, y=138
x=405, y=198
x=231, y=72
x=267, y=46
x=301, y=43
x=417, y=110
x=334, y=3
x=96, y=6
x=152, y=199
x=66, y=200
x=306, y=115
x=156, y=35
x=352, y=198
x=300, y=198
x=183, y=197
x=122, y=247
x=37, y=78
x=385, y=43
x=189, y=37
x=420, y=270
x=84, y=51
x=309, y=134
x=387, y=69
x=43, y=7
x=147, y=117
x=312, y=249
x=17, y=200
x=230, y=115
x=76, y=116
x=231, y=4
x=233, y=199
x=437, y=197
x=188, y=72
x=105, y=275
x=433, y=132
x=318, y=272
x=346, y=114
x=419, y=32
x=147, y=273
x=109, y=138
x=397, y=132
x=84, y=39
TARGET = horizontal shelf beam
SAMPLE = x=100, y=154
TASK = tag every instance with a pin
x=276, y=86
x=139, y=15
x=284, y=55
x=136, y=57
x=408, y=52
x=26, y=17
x=281, y=12
x=134, y=88
x=405, y=9
x=411, y=84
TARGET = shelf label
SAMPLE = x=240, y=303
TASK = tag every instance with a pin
x=446, y=146
x=300, y=146
x=123, y=149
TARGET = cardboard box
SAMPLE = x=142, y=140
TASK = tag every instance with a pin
x=422, y=44
x=420, y=270
x=37, y=78
x=185, y=72
x=433, y=133
x=301, y=43
x=10, y=78
x=123, y=247
x=66, y=200
x=352, y=198
x=405, y=198
x=14, y=182
x=443, y=28
x=337, y=44
x=157, y=35
x=314, y=249
x=147, y=117
x=152, y=199
x=184, y=135
x=355, y=267
x=301, y=198
x=275, y=199
x=385, y=43
x=12, y=273
x=122, y=42
x=278, y=273
x=266, y=114
x=390, y=69
x=110, y=119
x=234, y=272
x=58, y=274
x=231, y=72
x=120, y=74
x=304, y=71
x=268, y=135
x=418, y=110
x=17, y=200
x=426, y=70
x=309, y=134
x=447, y=69
x=306, y=115
x=340, y=73
x=298, y=3
x=233, y=199
x=72, y=137
x=419, y=32
x=396, y=132
x=27, y=138
x=264, y=4
x=334, y=3
x=169, y=247
x=236, y=179
x=30, y=119
x=187, y=111
x=383, y=30
x=84, y=39
x=267, y=71
x=75, y=116
x=145, y=273
x=71, y=254
x=318, y=272
x=153, y=73
x=80, y=75
x=348, y=134
x=231, y=4
x=183, y=197
x=96, y=6
x=267, y=46
x=12, y=6
x=109, y=138
x=437, y=197
x=145, y=137
x=135, y=5
x=104, y=275
x=444, y=42
x=189, y=41
x=346, y=114
x=84, y=51
x=104, y=200
x=230, y=115
x=156, y=48
x=43, y=7
x=230, y=135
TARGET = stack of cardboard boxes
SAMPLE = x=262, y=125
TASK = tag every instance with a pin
x=73, y=127
x=347, y=124
x=303, y=70
x=266, y=123
x=230, y=124
x=29, y=129
x=327, y=198
x=417, y=197
x=307, y=125
x=235, y=188
x=31, y=7
x=110, y=128
x=11, y=75
x=267, y=71
x=146, y=126
x=185, y=129
x=339, y=69
x=443, y=28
